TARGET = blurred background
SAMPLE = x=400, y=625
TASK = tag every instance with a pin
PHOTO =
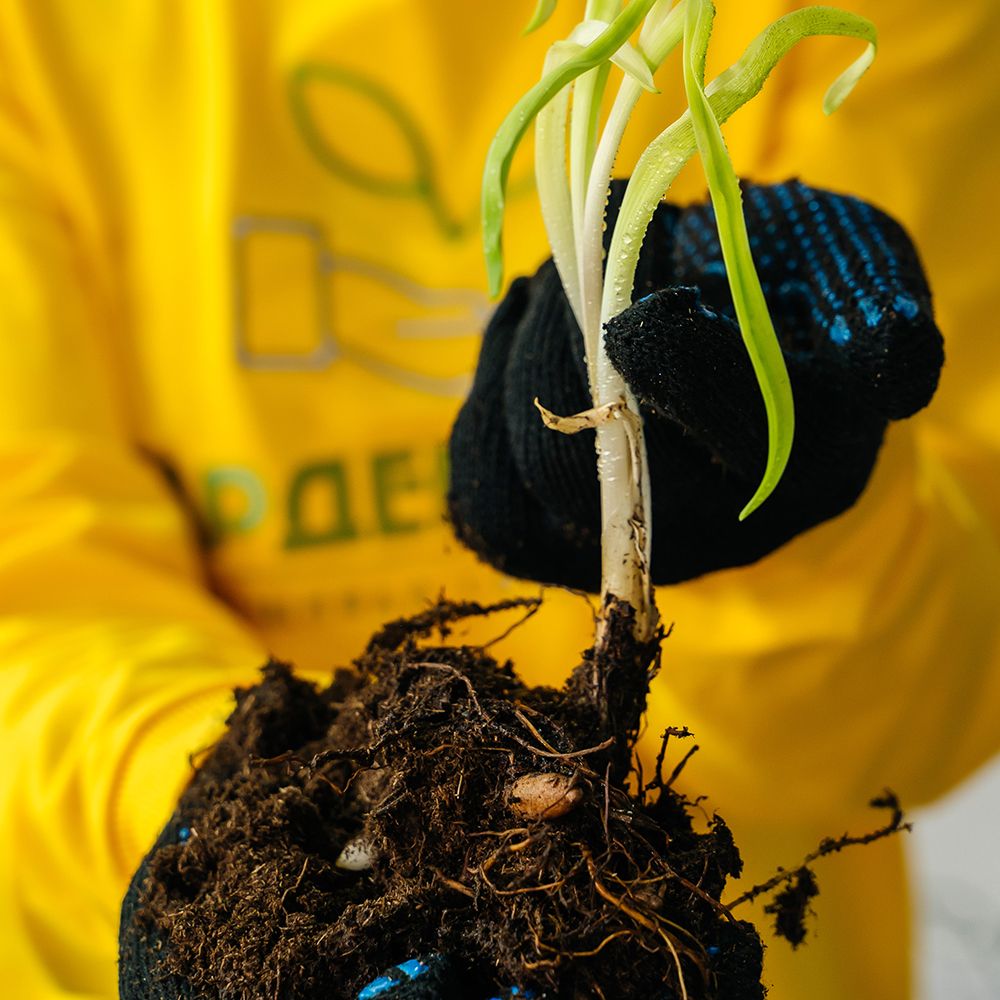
x=956, y=867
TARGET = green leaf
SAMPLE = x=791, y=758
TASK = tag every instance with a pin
x=748, y=296
x=543, y=11
x=517, y=122
x=846, y=82
x=662, y=18
x=633, y=63
x=745, y=78
x=553, y=184
x=665, y=156
x=628, y=58
x=588, y=93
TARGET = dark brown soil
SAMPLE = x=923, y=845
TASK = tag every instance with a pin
x=418, y=753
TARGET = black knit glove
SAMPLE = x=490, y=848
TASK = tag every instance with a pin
x=144, y=973
x=433, y=977
x=141, y=975
x=853, y=312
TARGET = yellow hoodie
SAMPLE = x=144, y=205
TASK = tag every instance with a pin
x=241, y=291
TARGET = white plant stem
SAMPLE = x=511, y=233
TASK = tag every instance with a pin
x=623, y=467
x=573, y=208
x=553, y=190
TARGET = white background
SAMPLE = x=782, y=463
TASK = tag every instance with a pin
x=955, y=859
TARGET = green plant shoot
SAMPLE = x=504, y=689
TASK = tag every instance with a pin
x=516, y=124
x=543, y=11
x=748, y=296
x=573, y=202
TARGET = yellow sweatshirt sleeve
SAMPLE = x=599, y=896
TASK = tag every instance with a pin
x=115, y=660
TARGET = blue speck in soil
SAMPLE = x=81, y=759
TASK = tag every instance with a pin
x=712, y=950
x=183, y=834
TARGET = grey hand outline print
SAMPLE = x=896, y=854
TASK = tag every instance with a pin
x=437, y=313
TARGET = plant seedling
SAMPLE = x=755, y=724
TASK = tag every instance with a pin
x=574, y=157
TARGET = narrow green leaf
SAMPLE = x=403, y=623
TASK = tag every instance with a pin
x=846, y=82
x=515, y=125
x=588, y=93
x=633, y=63
x=748, y=297
x=553, y=184
x=745, y=78
x=665, y=156
x=628, y=58
x=543, y=11
x=664, y=15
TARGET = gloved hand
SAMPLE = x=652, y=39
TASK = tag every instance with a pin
x=430, y=977
x=140, y=948
x=853, y=312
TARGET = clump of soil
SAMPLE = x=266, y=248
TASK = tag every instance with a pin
x=499, y=830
